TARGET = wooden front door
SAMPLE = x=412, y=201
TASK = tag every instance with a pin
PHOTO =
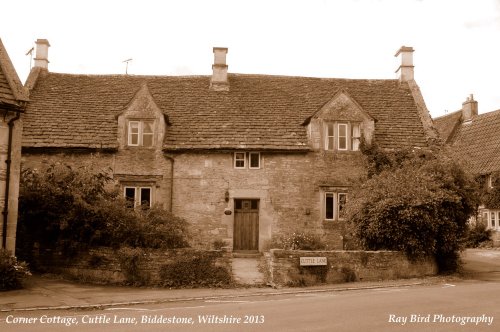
x=246, y=224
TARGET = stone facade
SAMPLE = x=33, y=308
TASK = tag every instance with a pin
x=289, y=186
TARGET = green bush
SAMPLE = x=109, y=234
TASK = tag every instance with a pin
x=199, y=270
x=12, y=272
x=477, y=234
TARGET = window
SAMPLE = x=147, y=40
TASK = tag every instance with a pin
x=493, y=220
x=140, y=133
x=254, y=160
x=334, y=205
x=342, y=136
x=138, y=196
x=240, y=160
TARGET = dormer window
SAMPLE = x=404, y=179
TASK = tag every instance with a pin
x=140, y=133
x=342, y=136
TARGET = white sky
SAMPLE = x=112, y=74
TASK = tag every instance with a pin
x=456, y=42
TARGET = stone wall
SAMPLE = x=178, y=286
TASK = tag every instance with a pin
x=343, y=266
x=102, y=265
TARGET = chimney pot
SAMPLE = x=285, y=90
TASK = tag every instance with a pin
x=406, y=68
x=219, y=81
x=42, y=53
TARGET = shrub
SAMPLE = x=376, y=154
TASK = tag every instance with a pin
x=298, y=241
x=219, y=244
x=199, y=270
x=130, y=260
x=476, y=235
x=419, y=205
x=12, y=272
x=72, y=209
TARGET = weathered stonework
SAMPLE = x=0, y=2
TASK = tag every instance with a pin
x=343, y=266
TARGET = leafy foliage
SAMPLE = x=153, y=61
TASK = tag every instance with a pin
x=130, y=260
x=417, y=202
x=199, y=270
x=72, y=209
x=12, y=272
x=476, y=235
x=298, y=241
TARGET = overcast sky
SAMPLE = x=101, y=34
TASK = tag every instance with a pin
x=456, y=42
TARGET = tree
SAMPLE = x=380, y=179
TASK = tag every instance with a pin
x=417, y=202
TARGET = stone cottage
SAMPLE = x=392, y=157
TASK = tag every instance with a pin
x=475, y=140
x=13, y=98
x=241, y=157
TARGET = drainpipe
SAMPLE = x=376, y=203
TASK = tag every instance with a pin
x=170, y=209
x=5, y=211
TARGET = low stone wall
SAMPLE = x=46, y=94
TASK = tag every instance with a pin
x=102, y=265
x=284, y=267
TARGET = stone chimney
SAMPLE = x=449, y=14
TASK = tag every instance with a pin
x=406, y=68
x=42, y=53
x=469, y=109
x=219, y=80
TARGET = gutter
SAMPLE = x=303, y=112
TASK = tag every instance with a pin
x=8, y=161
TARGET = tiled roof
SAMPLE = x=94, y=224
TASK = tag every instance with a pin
x=12, y=91
x=477, y=142
x=447, y=124
x=258, y=112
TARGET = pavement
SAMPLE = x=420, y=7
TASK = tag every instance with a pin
x=50, y=293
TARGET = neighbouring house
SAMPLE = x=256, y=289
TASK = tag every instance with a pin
x=241, y=157
x=475, y=139
x=13, y=99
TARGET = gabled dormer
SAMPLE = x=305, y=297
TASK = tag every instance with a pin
x=339, y=125
x=142, y=125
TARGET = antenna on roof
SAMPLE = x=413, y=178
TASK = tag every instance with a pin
x=30, y=52
x=126, y=66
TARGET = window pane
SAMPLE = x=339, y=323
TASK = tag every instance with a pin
x=133, y=133
x=255, y=204
x=329, y=206
x=356, y=135
x=130, y=196
x=330, y=143
x=342, y=202
x=237, y=204
x=342, y=136
x=342, y=143
x=254, y=160
x=145, y=198
x=147, y=127
x=147, y=140
x=330, y=137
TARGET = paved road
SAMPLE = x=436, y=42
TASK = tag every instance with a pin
x=482, y=264
x=418, y=308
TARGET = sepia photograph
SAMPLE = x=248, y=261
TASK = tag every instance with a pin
x=237, y=165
